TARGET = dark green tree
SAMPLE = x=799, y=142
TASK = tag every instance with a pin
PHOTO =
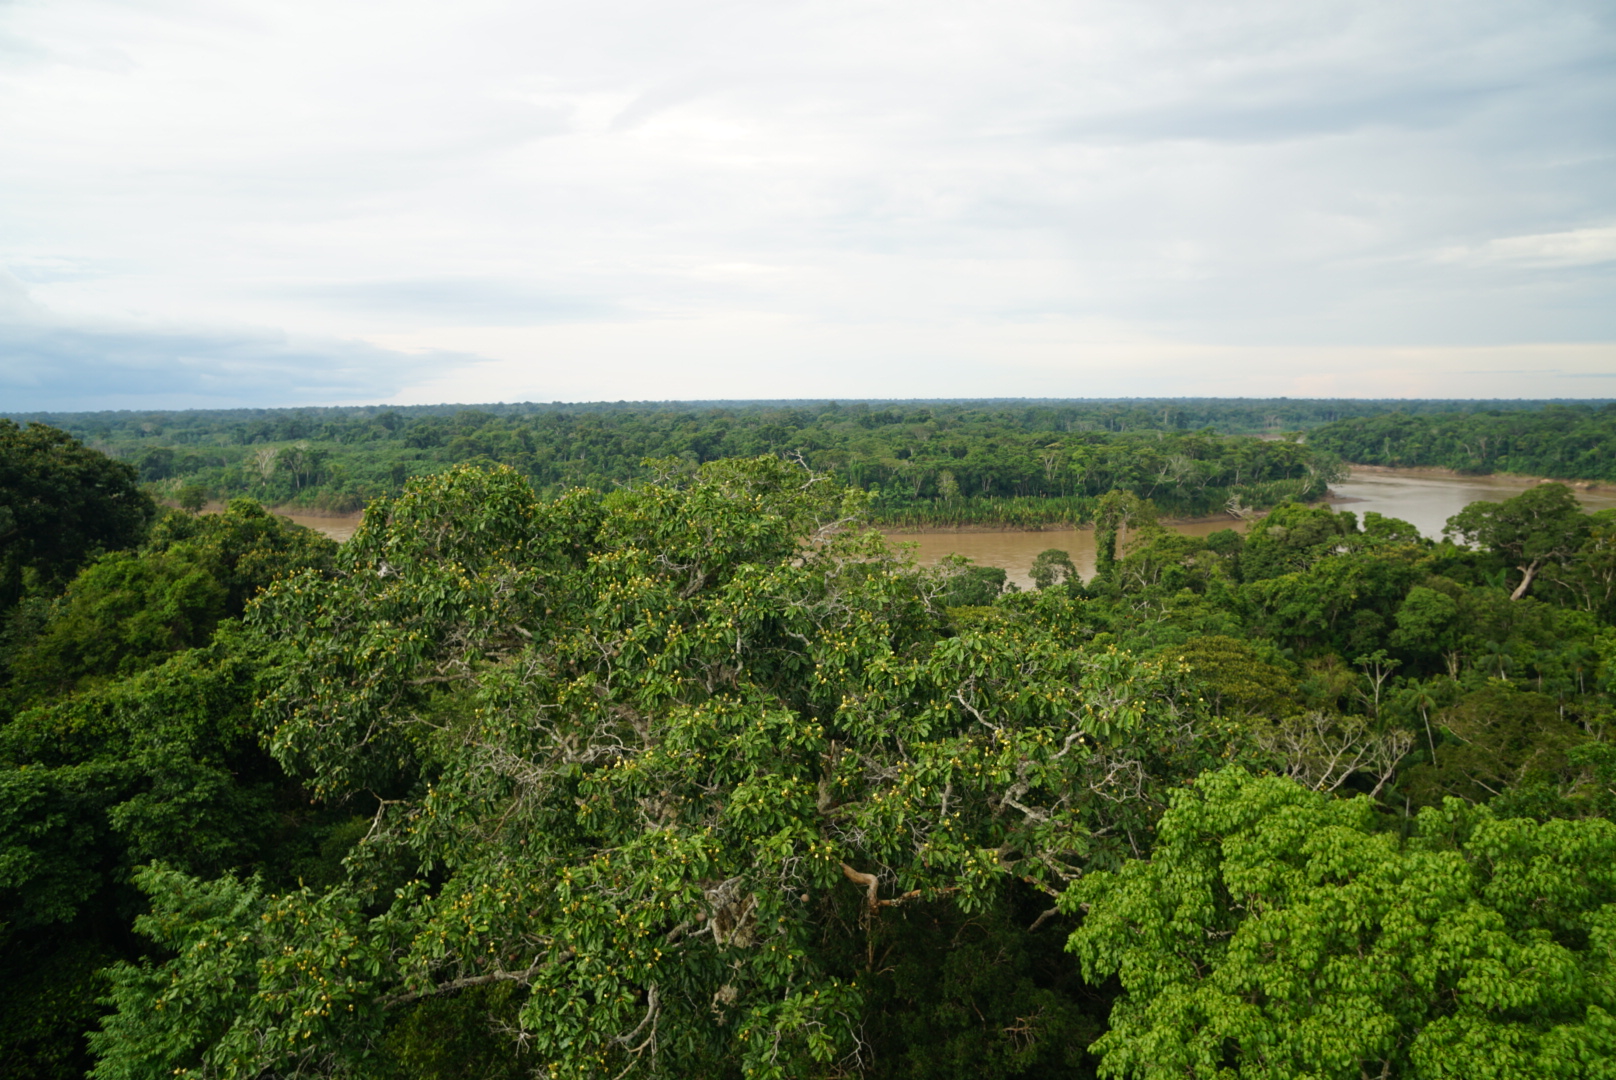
x=1500, y=737
x=164, y=765
x=61, y=504
x=130, y=610
x=1117, y=512
x=192, y=498
x=134, y=740
x=1053, y=567
x=1294, y=538
x=1543, y=525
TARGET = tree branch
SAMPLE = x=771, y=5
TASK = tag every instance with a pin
x=450, y=987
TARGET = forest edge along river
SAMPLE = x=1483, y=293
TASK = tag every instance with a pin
x=1425, y=498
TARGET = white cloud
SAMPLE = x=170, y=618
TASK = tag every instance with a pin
x=860, y=178
x=1575, y=247
x=733, y=355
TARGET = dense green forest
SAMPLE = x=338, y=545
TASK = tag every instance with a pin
x=1574, y=442
x=692, y=776
x=1020, y=463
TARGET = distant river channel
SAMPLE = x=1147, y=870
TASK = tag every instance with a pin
x=1425, y=500
x=337, y=528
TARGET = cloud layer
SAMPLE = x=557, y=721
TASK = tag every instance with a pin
x=830, y=198
x=52, y=363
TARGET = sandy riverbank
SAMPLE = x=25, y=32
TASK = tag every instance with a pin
x=1435, y=473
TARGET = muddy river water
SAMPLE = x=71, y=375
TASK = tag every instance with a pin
x=337, y=528
x=1424, y=499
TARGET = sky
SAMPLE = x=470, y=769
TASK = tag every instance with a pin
x=215, y=203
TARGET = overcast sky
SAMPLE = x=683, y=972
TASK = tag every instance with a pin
x=235, y=202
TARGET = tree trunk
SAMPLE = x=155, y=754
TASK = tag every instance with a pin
x=1528, y=572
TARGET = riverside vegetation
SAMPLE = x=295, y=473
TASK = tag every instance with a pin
x=1575, y=442
x=694, y=777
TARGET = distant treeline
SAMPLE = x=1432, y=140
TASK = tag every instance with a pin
x=1231, y=416
x=1012, y=462
x=1563, y=441
x=974, y=463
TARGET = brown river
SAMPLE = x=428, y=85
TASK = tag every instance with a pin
x=1424, y=499
x=337, y=528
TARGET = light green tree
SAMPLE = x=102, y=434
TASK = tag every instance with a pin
x=1278, y=933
